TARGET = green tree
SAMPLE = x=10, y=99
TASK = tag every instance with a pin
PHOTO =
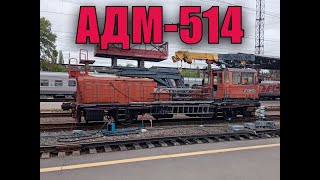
x=189, y=73
x=45, y=65
x=60, y=57
x=47, y=40
x=198, y=72
x=54, y=56
x=58, y=68
x=48, y=52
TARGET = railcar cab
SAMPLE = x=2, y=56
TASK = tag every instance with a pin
x=233, y=83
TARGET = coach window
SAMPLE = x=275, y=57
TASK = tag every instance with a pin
x=58, y=83
x=44, y=82
x=71, y=83
x=236, y=78
x=206, y=78
x=215, y=78
x=247, y=78
x=220, y=77
x=226, y=77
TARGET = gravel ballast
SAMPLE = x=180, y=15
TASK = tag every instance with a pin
x=151, y=132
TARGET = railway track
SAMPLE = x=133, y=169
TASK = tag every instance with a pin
x=133, y=144
x=165, y=122
x=55, y=127
x=55, y=114
x=273, y=108
x=57, y=100
x=68, y=114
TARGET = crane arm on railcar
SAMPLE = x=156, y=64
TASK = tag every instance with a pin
x=188, y=57
x=231, y=60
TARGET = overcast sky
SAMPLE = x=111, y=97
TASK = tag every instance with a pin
x=63, y=14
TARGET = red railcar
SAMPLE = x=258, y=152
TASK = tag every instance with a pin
x=226, y=93
x=122, y=90
x=231, y=83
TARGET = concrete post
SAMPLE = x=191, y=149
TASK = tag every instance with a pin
x=113, y=62
x=140, y=63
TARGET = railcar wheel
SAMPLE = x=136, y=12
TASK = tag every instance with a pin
x=229, y=114
x=78, y=117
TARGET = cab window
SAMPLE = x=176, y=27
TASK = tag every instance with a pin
x=206, y=78
x=236, y=78
x=247, y=78
x=220, y=77
x=226, y=77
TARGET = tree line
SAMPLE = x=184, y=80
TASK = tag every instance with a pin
x=50, y=58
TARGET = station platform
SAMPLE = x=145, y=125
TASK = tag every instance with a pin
x=250, y=160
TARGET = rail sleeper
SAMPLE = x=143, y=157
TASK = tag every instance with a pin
x=175, y=143
x=45, y=155
x=122, y=147
x=163, y=144
x=185, y=141
x=61, y=154
x=107, y=149
x=198, y=141
x=137, y=146
x=267, y=135
x=241, y=138
x=218, y=139
x=92, y=151
x=150, y=145
x=229, y=138
x=209, y=140
x=76, y=153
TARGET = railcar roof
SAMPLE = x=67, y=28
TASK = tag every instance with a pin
x=241, y=70
x=270, y=82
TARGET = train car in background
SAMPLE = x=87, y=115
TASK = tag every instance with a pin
x=56, y=85
x=269, y=90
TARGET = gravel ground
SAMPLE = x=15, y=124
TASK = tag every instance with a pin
x=56, y=120
x=272, y=113
x=50, y=106
x=270, y=103
x=151, y=132
x=59, y=120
